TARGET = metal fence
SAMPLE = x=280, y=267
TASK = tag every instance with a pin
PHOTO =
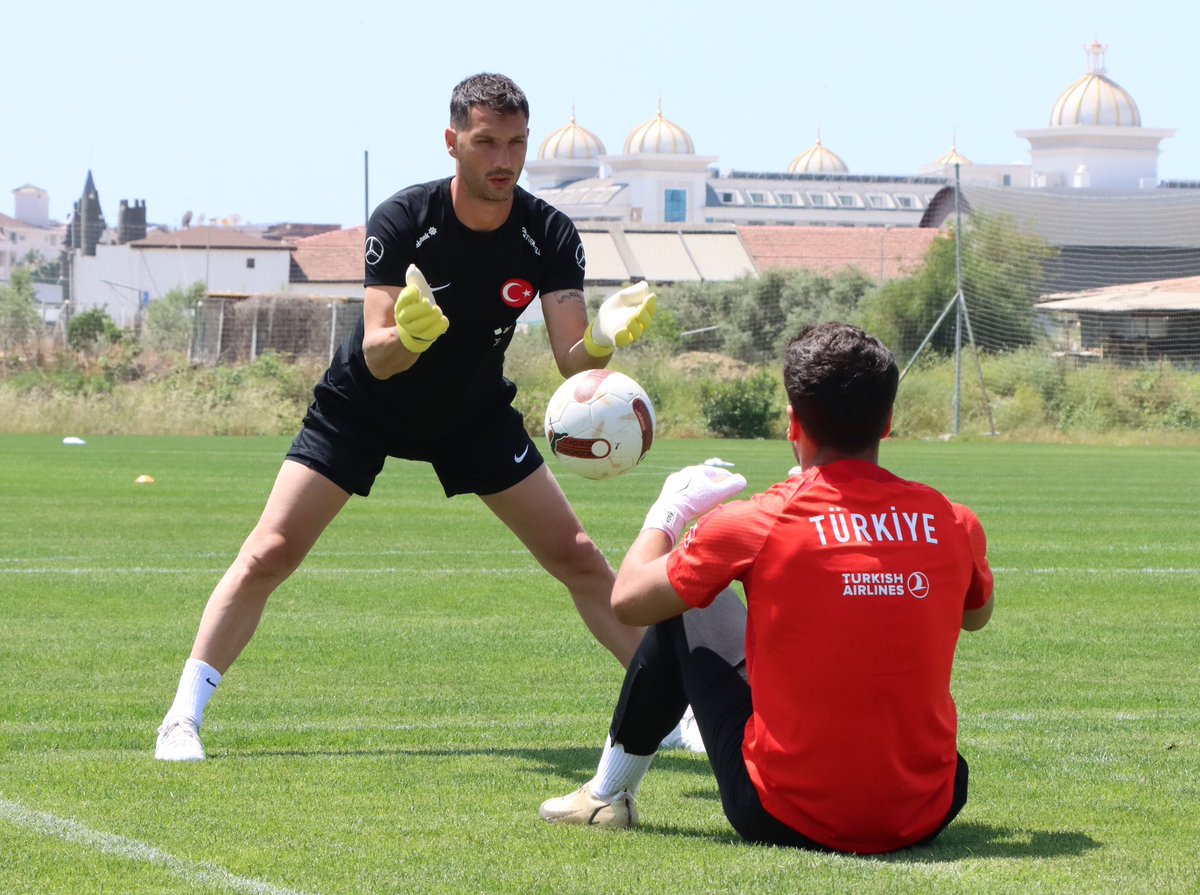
x=234, y=330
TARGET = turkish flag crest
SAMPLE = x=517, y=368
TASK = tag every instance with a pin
x=516, y=293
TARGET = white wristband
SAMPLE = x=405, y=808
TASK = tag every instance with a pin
x=666, y=519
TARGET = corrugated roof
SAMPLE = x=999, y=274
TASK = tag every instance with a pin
x=603, y=257
x=661, y=257
x=616, y=253
x=1158, y=218
x=882, y=253
x=1182, y=294
x=719, y=256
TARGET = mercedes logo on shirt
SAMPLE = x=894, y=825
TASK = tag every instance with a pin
x=374, y=250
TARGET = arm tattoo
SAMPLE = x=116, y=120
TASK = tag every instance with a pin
x=568, y=295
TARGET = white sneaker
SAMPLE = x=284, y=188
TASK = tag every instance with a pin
x=178, y=740
x=690, y=732
x=584, y=809
x=686, y=735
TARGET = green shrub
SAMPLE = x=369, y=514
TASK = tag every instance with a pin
x=168, y=322
x=92, y=329
x=744, y=408
x=923, y=403
x=1023, y=411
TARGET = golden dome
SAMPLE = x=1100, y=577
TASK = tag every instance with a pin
x=1095, y=99
x=817, y=160
x=953, y=157
x=571, y=142
x=659, y=136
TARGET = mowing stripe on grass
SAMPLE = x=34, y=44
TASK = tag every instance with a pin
x=390, y=570
x=192, y=872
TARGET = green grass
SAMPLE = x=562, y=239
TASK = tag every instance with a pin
x=419, y=687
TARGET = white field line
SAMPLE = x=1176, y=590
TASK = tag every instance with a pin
x=191, y=872
x=498, y=570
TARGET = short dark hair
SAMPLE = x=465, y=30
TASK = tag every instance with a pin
x=841, y=383
x=497, y=92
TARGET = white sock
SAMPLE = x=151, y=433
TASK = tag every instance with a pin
x=196, y=687
x=618, y=771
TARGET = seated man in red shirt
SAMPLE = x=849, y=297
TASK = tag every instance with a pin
x=824, y=702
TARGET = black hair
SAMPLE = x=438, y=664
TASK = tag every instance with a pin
x=841, y=383
x=497, y=92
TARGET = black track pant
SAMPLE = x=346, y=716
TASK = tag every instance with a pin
x=699, y=658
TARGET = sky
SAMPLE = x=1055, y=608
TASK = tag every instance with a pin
x=303, y=112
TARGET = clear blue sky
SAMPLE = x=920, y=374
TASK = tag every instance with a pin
x=264, y=109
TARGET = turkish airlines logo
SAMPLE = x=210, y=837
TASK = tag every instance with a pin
x=918, y=585
x=516, y=293
x=374, y=250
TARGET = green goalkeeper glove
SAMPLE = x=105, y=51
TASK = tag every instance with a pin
x=621, y=320
x=419, y=321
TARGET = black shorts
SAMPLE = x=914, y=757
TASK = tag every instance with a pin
x=496, y=454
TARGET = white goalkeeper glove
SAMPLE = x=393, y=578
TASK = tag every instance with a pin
x=621, y=320
x=419, y=320
x=689, y=494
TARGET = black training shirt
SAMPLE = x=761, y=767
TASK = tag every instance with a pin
x=481, y=281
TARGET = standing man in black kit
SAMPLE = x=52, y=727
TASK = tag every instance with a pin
x=450, y=265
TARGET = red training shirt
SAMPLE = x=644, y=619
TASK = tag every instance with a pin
x=856, y=581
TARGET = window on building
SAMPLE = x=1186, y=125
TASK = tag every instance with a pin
x=728, y=198
x=249, y=263
x=906, y=201
x=675, y=206
x=756, y=197
x=1008, y=180
x=819, y=200
x=847, y=200
x=787, y=198
x=877, y=200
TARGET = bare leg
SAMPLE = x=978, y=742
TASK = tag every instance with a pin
x=301, y=505
x=537, y=512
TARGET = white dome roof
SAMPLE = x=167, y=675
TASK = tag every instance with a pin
x=659, y=136
x=817, y=160
x=571, y=142
x=1095, y=99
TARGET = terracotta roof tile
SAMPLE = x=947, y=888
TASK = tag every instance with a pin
x=882, y=253
x=207, y=238
x=334, y=257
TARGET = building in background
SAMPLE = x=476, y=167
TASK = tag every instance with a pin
x=1094, y=141
x=123, y=279
x=31, y=238
x=660, y=210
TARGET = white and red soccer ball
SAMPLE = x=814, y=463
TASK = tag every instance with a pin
x=600, y=423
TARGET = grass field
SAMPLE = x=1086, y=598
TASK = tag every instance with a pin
x=419, y=687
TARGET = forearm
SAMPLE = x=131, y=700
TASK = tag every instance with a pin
x=643, y=594
x=577, y=359
x=384, y=353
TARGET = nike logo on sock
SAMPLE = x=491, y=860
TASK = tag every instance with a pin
x=208, y=681
x=517, y=458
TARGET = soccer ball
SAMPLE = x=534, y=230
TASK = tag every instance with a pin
x=600, y=423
